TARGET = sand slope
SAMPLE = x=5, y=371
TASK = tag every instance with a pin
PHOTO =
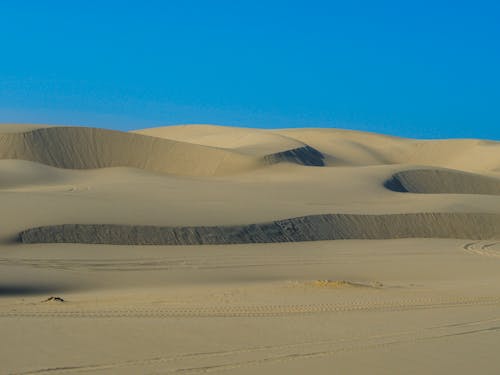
x=201, y=150
x=273, y=293
x=87, y=148
x=443, y=181
x=252, y=141
x=361, y=148
x=274, y=148
x=307, y=228
x=342, y=147
x=213, y=150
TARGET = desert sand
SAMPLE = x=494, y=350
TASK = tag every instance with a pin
x=199, y=249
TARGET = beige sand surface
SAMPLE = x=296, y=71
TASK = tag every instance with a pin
x=392, y=306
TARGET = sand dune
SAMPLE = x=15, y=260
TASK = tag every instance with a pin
x=20, y=173
x=362, y=148
x=274, y=148
x=247, y=140
x=87, y=148
x=443, y=181
x=307, y=228
x=202, y=150
x=256, y=188
x=412, y=275
x=342, y=147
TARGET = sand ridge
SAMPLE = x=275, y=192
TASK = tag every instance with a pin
x=89, y=148
x=203, y=150
x=346, y=147
x=213, y=152
x=247, y=140
x=274, y=293
x=443, y=181
x=308, y=228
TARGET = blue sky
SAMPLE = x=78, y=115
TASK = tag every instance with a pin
x=426, y=69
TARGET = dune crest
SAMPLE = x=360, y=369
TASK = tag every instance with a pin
x=307, y=228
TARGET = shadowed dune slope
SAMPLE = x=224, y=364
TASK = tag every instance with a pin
x=304, y=155
x=436, y=181
x=307, y=228
x=87, y=148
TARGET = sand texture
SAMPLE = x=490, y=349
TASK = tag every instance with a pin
x=198, y=249
x=442, y=181
x=306, y=228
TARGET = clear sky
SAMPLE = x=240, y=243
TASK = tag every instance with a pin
x=425, y=69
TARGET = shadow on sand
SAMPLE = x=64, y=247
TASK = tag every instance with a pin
x=12, y=290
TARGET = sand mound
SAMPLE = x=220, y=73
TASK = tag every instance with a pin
x=247, y=140
x=351, y=147
x=20, y=173
x=274, y=148
x=207, y=150
x=436, y=181
x=345, y=147
x=87, y=148
x=306, y=228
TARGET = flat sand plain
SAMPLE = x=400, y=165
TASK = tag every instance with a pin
x=387, y=306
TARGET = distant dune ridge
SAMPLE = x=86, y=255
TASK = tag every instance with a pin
x=241, y=156
x=346, y=147
x=207, y=150
x=88, y=148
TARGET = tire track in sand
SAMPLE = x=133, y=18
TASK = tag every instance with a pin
x=484, y=248
x=203, y=362
x=253, y=310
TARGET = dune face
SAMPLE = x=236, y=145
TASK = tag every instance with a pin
x=307, y=228
x=304, y=155
x=329, y=249
x=89, y=148
x=442, y=181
